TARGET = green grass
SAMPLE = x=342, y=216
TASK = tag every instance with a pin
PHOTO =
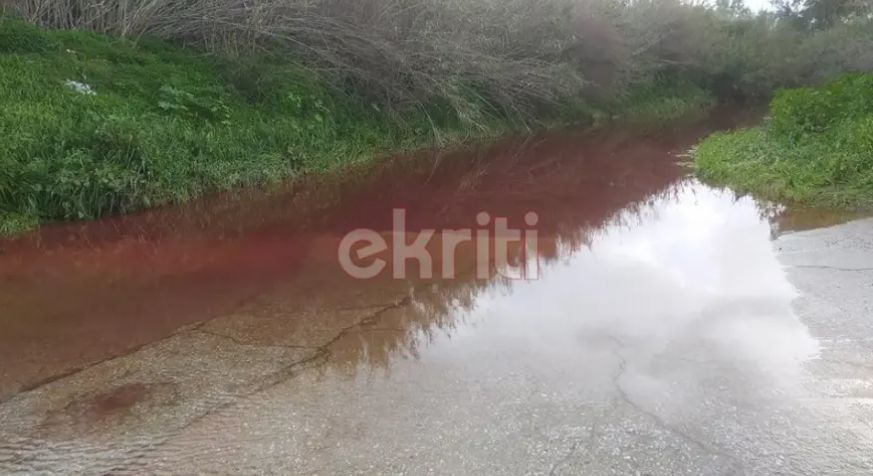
x=166, y=124
x=663, y=98
x=816, y=148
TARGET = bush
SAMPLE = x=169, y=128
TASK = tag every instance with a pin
x=797, y=113
x=514, y=56
x=817, y=148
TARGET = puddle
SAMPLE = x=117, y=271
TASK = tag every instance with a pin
x=76, y=294
x=660, y=304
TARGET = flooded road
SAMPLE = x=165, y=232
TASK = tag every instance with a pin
x=673, y=328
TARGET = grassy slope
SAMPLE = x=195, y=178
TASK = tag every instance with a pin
x=168, y=124
x=816, y=148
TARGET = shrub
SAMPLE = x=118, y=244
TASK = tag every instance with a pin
x=515, y=56
x=799, y=112
x=817, y=148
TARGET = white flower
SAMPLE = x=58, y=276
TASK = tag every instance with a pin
x=80, y=87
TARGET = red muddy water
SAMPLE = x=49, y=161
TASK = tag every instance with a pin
x=73, y=295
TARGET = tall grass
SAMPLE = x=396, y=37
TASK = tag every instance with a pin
x=95, y=125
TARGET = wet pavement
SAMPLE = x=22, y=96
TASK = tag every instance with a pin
x=674, y=328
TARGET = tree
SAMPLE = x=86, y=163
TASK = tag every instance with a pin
x=821, y=14
x=736, y=7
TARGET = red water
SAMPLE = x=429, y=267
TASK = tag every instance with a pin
x=76, y=294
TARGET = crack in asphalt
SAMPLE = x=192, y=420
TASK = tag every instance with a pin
x=592, y=438
x=623, y=395
x=239, y=342
x=195, y=327
x=384, y=329
x=319, y=355
x=132, y=350
x=564, y=459
x=76, y=370
x=291, y=370
x=848, y=363
x=833, y=268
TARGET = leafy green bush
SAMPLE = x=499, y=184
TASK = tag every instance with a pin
x=798, y=112
x=816, y=148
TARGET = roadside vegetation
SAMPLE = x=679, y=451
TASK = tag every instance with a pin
x=816, y=147
x=114, y=106
x=95, y=125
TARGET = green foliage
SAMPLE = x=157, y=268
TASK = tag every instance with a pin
x=803, y=111
x=203, y=107
x=166, y=124
x=96, y=125
x=21, y=37
x=817, y=148
x=820, y=14
x=12, y=223
x=663, y=98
